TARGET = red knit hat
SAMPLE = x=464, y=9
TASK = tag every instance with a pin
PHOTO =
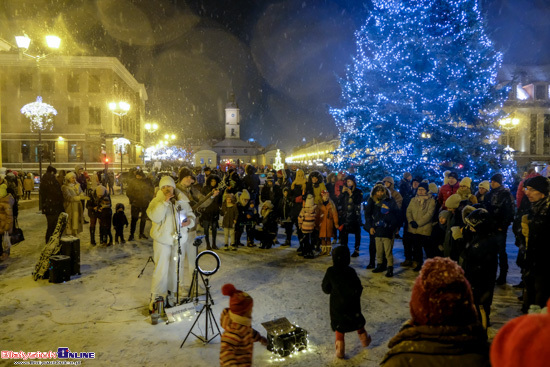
x=240, y=302
x=523, y=342
x=441, y=295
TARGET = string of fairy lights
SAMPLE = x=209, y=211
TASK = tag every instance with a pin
x=421, y=94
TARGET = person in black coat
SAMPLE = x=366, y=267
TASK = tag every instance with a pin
x=210, y=215
x=349, y=216
x=119, y=221
x=343, y=285
x=479, y=260
x=51, y=198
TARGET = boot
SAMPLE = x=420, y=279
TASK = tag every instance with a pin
x=407, y=262
x=340, y=347
x=287, y=243
x=92, y=236
x=208, y=247
x=131, y=238
x=371, y=264
x=365, y=339
x=214, y=247
x=379, y=268
x=389, y=273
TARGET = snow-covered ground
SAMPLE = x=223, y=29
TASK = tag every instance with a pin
x=104, y=310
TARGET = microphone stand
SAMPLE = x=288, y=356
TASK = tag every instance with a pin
x=177, y=225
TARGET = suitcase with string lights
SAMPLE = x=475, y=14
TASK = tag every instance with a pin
x=283, y=338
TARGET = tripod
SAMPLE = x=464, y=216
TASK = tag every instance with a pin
x=150, y=259
x=209, y=317
x=193, y=293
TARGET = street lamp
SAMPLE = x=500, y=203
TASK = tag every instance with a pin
x=41, y=116
x=23, y=43
x=120, y=109
x=151, y=127
x=120, y=144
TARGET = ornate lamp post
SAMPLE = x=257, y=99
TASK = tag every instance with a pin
x=23, y=43
x=120, y=144
x=41, y=116
x=120, y=109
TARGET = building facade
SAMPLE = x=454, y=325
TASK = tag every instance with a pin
x=233, y=150
x=80, y=89
x=529, y=104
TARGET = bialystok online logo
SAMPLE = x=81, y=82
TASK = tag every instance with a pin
x=62, y=353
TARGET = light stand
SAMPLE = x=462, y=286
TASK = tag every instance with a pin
x=207, y=308
x=150, y=259
x=193, y=292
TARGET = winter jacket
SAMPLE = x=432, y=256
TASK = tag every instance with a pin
x=500, y=204
x=105, y=216
x=421, y=210
x=140, y=192
x=94, y=203
x=307, y=220
x=328, y=219
x=395, y=195
x=120, y=220
x=269, y=222
x=237, y=339
x=6, y=214
x=449, y=346
x=284, y=208
x=28, y=184
x=384, y=215
x=297, y=199
x=444, y=192
x=538, y=250
x=230, y=215
x=406, y=190
x=350, y=208
x=272, y=194
x=51, y=195
x=315, y=189
x=211, y=213
x=72, y=194
x=343, y=285
x=163, y=218
x=480, y=264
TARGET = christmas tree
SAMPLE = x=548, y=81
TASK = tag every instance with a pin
x=421, y=94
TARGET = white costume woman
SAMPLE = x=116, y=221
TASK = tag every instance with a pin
x=168, y=217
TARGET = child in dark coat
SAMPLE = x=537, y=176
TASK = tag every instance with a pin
x=343, y=285
x=105, y=214
x=230, y=214
x=119, y=221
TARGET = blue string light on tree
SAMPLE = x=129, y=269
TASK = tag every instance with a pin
x=423, y=68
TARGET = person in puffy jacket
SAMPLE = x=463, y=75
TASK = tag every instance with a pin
x=170, y=215
x=307, y=220
x=419, y=218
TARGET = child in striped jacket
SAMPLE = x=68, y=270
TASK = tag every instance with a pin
x=239, y=336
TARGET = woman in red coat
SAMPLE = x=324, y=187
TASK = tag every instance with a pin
x=328, y=221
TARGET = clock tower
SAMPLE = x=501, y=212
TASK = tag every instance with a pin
x=232, y=119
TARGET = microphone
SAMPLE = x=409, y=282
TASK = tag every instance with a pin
x=173, y=200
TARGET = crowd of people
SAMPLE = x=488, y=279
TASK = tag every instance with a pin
x=459, y=229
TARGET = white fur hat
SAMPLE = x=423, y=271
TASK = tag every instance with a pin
x=167, y=181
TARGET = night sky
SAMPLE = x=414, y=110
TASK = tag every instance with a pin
x=282, y=59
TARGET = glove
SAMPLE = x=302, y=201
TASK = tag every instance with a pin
x=414, y=224
x=456, y=232
x=341, y=227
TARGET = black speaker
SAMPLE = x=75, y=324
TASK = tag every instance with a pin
x=70, y=246
x=60, y=268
